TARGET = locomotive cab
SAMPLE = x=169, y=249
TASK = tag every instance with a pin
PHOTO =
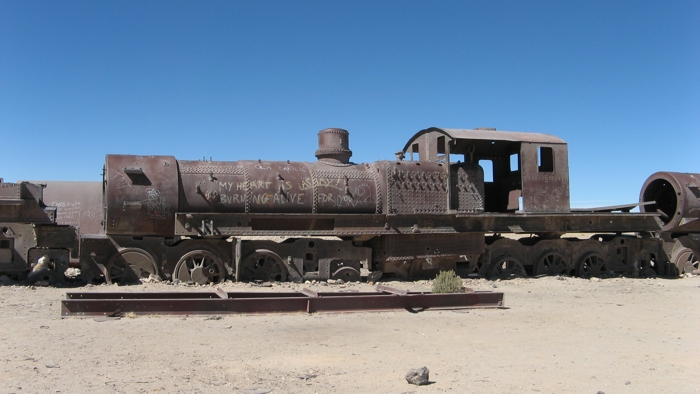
x=496, y=171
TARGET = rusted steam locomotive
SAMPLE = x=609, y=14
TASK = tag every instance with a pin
x=444, y=203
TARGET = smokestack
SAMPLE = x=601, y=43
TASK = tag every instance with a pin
x=333, y=146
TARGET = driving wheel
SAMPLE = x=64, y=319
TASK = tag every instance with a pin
x=685, y=260
x=551, y=263
x=264, y=265
x=506, y=267
x=129, y=265
x=592, y=265
x=199, y=266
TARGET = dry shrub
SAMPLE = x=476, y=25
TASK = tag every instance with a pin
x=447, y=282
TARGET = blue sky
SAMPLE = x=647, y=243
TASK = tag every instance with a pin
x=618, y=80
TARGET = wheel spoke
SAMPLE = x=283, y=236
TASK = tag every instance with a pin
x=551, y=263
x=506, y=267
x=137, y=261
x=592, y=265
x=191, y=267
x=263, y=265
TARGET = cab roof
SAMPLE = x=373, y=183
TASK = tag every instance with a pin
x=487, y=135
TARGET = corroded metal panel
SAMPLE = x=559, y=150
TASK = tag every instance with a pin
x=278, y=187
x=141, y=194
x=56, y=237
x=545, y=177
x=212, y=186
x=416, y=187
x=410, y=247
x=78, y=204
x=22, y=203
x=275, y=187
x=467, y=190
x=345, y=189
x=15, y=242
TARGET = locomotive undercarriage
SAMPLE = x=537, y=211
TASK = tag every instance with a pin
x=602, y=255
x=202, y=261
x=127, y=259
x=403, y=250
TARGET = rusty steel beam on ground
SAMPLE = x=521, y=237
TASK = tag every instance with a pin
x=208, y=303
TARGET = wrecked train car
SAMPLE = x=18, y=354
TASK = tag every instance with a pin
x=483, y=202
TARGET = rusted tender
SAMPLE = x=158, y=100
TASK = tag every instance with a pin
x=30, y=239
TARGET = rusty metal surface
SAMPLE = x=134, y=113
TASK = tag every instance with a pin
x=612, y=208
x=141, y=195
x=531, y=167
x=77, y=204
x=411, y=247
x=618, y=255
x=467, y=188
x=21, y=245
x=16, y=239
x=305, y=258
x=331, y=185
x=278, y=187
x=560, y=222
x=22, y=203
x=487, y=135
x=102, y=304
x=346, y=225
x=544, y=188
x=676, y=196
x=334, y=146
x=28, y=231
x=415, y=187
x=686, y=254
x=426, y=211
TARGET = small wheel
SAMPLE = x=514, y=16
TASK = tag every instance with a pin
x=200, y=266
x=592, y=265
x=264, y=265
x=551, y=263
x=54, y=278
x=647, y=273
x=129, y=265
x=506, y=267
x=347, y=274
x=685, y=260
x=648, y=268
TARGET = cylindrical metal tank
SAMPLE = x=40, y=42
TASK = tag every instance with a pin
x=143, y=193
x=245, y=186
x=277, y=187
x=674, y=195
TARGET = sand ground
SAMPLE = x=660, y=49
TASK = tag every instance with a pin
x=557, y=335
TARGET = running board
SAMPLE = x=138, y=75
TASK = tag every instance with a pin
x=310, y=301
